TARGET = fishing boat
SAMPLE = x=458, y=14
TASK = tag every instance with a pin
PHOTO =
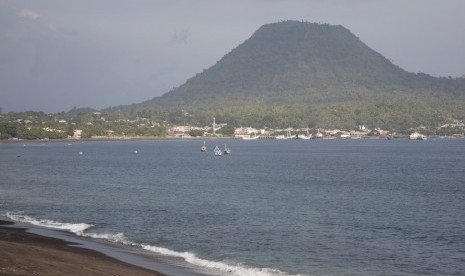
x=319, y=135
x=226, y=150
x=217, y=151
x=284, y=137
x=417, y=136
x=304, y=136
x=251, y=137
x=204, y=147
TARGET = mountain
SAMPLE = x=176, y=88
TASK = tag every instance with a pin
x=303, y=68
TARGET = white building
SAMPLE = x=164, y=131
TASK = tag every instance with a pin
x=77, y=133
x=245, y=132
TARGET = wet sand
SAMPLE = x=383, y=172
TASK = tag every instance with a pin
x=23, y=253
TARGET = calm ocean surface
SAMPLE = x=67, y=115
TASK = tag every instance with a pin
x=320, y=207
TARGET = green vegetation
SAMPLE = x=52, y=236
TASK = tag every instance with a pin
x=303, y=74
x=288, y=74
x=8, y=130
x=227, y=130
x=13, y=130
x=38, y=125
x=196, y=133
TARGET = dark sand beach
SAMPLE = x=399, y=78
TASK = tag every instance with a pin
x=23, y=253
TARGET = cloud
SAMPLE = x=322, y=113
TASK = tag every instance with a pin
x=30, y=14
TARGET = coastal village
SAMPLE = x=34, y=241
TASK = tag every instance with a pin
x=97, y=126
x=361, y=132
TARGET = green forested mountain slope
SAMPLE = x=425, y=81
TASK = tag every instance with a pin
x=299, y=73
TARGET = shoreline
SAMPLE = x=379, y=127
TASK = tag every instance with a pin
x=25, y=253
x=171, y=138
x=28, y=249
x=109, y=139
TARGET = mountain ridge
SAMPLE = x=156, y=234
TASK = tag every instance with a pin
x=305, y=47
x=309, y=65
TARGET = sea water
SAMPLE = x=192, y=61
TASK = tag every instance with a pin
x=294, y=207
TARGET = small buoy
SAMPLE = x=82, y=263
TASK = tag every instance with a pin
x=80, y=153
x=135, y=151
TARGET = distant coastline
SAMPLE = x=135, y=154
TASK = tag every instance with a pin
x=173, y=138
x=103, y=139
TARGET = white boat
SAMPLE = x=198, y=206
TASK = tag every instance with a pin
x=319, y=135
x=217, y=151
x=417, y=136
x=226, y=150
x=284, y=137
x=251, y=137
x=204, y=147
x=304, y=136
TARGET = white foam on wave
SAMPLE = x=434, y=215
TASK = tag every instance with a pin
x=229, y=269
x=76, y=228
x=81, y=228
x=115, y=238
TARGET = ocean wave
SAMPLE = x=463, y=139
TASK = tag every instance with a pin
x=230, y=269
x=115, y=238
x=80, y=230
x=76, y=228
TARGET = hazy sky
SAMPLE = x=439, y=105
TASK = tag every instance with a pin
x=57, y=54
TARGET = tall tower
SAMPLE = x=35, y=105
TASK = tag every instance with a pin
x=214, y=125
